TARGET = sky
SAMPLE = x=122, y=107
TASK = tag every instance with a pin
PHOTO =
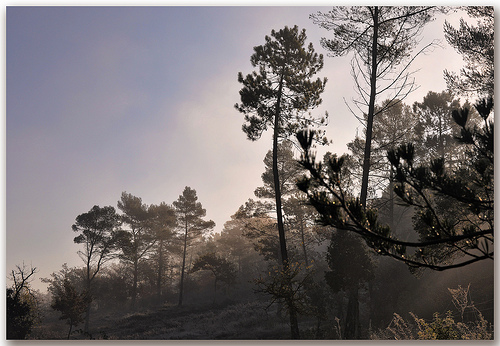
x=101, y=100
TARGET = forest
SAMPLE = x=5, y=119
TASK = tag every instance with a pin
x=393, y=241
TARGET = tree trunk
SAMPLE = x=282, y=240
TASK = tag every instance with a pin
x=215, y=290
x=134, y=287
x=70, y=328
x=183, y=265
x=87, y=312
x=160, y=270
x=371, y=111
x=294, y=327
x=306, y=262
x=352, y=327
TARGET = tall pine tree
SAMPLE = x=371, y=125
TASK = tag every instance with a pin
x=279, y=95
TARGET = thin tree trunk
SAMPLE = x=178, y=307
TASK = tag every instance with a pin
x=160, y=269
x=70, y=328
x=87, y=312
x=134, y=287
x=306, y=262
x=294, y=326
x=371, y=111
x=183, y=265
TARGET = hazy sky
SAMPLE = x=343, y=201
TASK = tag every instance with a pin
x=102, y=100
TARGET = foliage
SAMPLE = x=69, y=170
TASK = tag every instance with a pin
x=223, y=270
x=440, y=328
x=476, y=45
x=436, y=129
x=467, y=233
x=71, y=304
x=21, y=304
x=288, y=171
x=283, y=85
x=288, y=287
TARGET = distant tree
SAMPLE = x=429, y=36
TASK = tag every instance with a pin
x=190, y=215
x=382, y=39
x=288, y=171
x=221, y=268
x=443, y=236
x=235, y=245
x=396, y=124
x=21, y=304
x=136, y=241
x=297, y=216
x=278, y=96
x=163, y=221
x=438, y=130
x=96, y=230
x=477, y=47
x=71, y=304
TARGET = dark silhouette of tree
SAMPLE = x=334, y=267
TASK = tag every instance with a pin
x=444, y=237
x=221, y=268
x=71, y=304
x=382, y=39
x=136, y=241
x=476, y=45
x=21, y=304
x=350, y=268
x=278, y=96
x=189, y=216
x=163, y=222
x=96, y=230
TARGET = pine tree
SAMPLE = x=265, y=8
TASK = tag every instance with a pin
x=278, y=95
x=190, y=220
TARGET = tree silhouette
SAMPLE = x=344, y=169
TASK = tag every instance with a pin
x=21, y=304
x=190, y=214
x=71, y=304
x=222, y=269
x=278, y=96
x=476, y=45
x=163, y=222
x=97, y=234
x=136, y=241
x=382, y=39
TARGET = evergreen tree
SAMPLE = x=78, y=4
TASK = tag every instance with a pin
x=136, y=241
x=278, y=96
x=350, y=268
x=163, y=222
x=96, y=230
x=221, y=268
x=476, y=44
x=190, y=215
